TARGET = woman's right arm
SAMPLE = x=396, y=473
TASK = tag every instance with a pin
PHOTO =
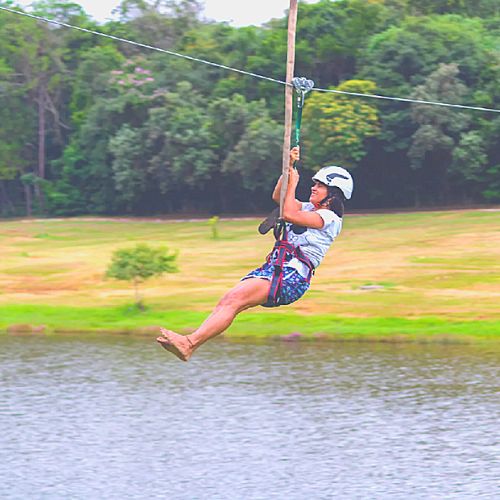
x=277, y=190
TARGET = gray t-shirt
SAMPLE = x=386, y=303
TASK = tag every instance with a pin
x=313, y=242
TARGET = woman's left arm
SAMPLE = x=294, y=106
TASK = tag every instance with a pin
x=292, y=212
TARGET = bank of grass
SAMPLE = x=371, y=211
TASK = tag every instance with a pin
x=417, y=276
x=286, y=326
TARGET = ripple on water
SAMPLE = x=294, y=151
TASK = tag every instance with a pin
x=116, y=417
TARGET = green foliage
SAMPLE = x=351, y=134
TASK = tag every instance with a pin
x=92, y=79
x=139, y=263
x=128, y=166
x=256, y=152
x=441, y=147
x=128, y=130
x=492, y=191
x=408, y=59
x=437, y=126
x=332, y=35
x=213, y=223
x=478, y=8
x=469, y=157
x=337, y=127
x=403, y=56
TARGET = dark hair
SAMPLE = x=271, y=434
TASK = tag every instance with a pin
x=336, y=200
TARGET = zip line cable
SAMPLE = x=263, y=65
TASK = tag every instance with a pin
x=229, y=68
x=403, y=99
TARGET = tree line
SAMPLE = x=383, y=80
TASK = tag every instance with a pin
x=91, y=125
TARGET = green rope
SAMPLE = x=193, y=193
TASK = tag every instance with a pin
x=298, y=121
x=302, y=87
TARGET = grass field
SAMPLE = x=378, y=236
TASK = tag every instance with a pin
x=414, y=275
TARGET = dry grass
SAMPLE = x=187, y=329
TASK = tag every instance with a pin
x=440, y=264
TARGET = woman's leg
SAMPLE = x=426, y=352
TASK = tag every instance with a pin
x=248, y=293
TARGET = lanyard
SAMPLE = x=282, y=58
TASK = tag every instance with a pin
x=302, y=86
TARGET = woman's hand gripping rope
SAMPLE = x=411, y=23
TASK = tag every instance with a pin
x=293, y=173
x=294, y=155
x=269, y=222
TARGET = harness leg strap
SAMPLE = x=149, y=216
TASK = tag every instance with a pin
x=278, y=257
x=274, y=296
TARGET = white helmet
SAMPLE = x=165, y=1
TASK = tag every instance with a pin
x=338, y=177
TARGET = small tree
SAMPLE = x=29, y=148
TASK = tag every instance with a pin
x=212, y=222
x=139, y=263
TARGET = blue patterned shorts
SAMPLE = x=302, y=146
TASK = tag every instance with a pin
x=293, y=287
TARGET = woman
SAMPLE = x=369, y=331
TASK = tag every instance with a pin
x=312, y=226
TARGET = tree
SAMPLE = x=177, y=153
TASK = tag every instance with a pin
x=336, y=127
x=490, y=133
x=15, y=133
x=478, y=8
x=100, y=126
x=178, y=151
x=469, y=160
x=139, y=263
x=86, y=167
x=439, y=130
x=35, y=54
x=331, y=36
x=255, y=160
x=402, y=58
x=92, y=80
x=158, y=22
x=248, y=147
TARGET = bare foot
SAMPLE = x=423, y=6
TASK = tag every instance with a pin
x=176, y=344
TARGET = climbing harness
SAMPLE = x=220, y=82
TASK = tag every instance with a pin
x=283, y=252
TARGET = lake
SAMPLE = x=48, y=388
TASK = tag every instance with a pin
x=105, y=417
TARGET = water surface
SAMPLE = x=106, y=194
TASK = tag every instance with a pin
x=86, y=417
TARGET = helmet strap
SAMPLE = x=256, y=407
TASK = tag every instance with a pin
x=323, y=202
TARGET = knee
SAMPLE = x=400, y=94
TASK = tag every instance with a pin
x=231, y=300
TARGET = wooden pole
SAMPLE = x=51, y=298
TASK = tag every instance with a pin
x=290, y=66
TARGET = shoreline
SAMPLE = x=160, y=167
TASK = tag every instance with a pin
x=255, y=326
x=317, y=338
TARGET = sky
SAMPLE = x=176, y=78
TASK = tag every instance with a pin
x=237, y=13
